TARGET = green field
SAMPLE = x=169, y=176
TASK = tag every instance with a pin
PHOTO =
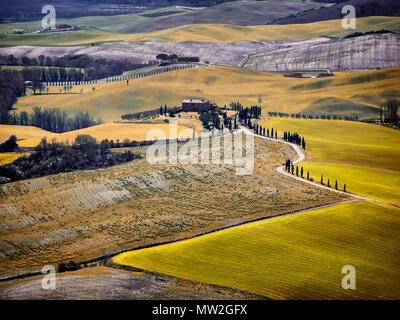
x=373, y=183
x=345, y=142
x=292, y=257
x=100, y=30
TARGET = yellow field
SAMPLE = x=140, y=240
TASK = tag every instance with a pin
x=292, y=257
x=6, y=158
x=110, y=131
x=369, y=182
x=208, y=33
x=221, y=85
x=345, y=142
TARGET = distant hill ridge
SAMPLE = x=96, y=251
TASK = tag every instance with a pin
x=364, y=8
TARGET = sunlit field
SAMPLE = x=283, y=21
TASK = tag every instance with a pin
x=223, y=85
x=345, y=142
x=6, y=158
x=111, y=131
x=98, y=27
x=374, y=183
x=292, y=257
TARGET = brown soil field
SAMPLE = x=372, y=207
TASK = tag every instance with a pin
x=101, y=283
x=85, y=214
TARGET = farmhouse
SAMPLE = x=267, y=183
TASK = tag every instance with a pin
x=195, y=105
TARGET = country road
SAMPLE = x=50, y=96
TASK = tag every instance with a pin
x=279, y=169
x=300, y=158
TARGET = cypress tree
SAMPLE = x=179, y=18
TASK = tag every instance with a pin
x=344, y=188
x=292, y=169
x=336, y=184
x=322, y=179
x=301, y=172
x=329, y=183
x=308, y=175
x=297, y=170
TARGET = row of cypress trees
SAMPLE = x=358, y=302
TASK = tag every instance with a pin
x=289, y=167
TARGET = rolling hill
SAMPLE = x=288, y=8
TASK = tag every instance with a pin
x=232, y=12
x=364, y=8
x=224, y=85
x=224, y=33
x=291, y=257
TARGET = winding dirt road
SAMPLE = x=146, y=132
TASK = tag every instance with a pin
x=300, y=158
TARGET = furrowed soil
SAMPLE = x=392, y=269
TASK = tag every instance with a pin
x=101, y=283
x=86, y=214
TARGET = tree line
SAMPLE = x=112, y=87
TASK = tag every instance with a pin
x=294, y=138
x=311, y=116
x=290, y=168
x=165, y=58
x=93, y=68
x=388, y=112
x=56, y=157
x=12, y=86
x=163, y=110
x=52, y=119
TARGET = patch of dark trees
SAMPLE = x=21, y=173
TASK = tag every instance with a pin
x=294, y=138
x=163, y=110
x=53, y=119
x=10, y=145
x=12, y=86
x=246, y=114
x=55, y=157
x=173, y=58
x=94, y=69
x=311, y=116
x=359, y=34
x=210, y=119
x=290, y=168
x=389, y=111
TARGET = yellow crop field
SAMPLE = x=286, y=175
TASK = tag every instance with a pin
x=6, y=158
x=110, y=131
x=345, y=142
x=207, y=33
x=230, y=33
x=268, y=257
x=374, y=183
x=21, y=132
x=221, y=85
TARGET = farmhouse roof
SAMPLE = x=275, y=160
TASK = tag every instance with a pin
x=195, y=101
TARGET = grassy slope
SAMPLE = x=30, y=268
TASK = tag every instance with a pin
x=342, y=143
x=345, y=141
x=221, y=85
x=237, y=13
x=271, y=261
x=370, y=182
x=206, y=33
